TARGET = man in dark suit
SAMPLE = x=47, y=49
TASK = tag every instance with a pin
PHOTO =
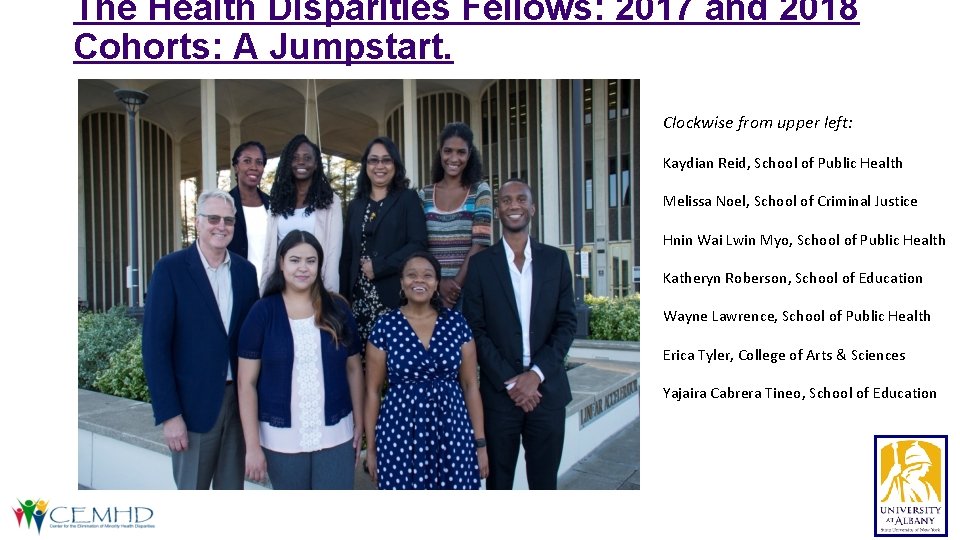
x=518, y=299
x=197, y=301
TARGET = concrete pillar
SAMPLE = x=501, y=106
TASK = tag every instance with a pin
x=549, y=163
x=177, y=217
x=208, y=133
x=411, y=135
x=235, y=141
x=601, y=206
x=141, y=227
x=476, y=118
x=311, y=115
x=81, y=223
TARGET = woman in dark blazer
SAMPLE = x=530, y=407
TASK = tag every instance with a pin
x=384, y=225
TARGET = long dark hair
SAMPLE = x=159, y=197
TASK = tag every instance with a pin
x=283, y=195
x=327, y=315
x=399, y=181
x=473, y=171
x=435, y=302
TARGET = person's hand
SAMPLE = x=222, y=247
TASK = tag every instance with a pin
x=256, y=464
x=357, y=443
x=175, y=433
x=524, y=390
x=484, y=462
x=366, y=266
x=371, y=464
x=449, y=292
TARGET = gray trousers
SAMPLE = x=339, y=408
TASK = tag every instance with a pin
x=216, y=456
x=330, y=468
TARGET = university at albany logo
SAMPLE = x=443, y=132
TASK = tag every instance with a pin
x=30, y=513
x=910, y=485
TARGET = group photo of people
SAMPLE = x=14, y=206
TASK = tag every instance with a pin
x=303, y=336
x=358, y=283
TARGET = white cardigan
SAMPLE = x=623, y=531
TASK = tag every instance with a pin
x=328, y=228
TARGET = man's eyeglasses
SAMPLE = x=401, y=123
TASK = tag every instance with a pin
x=214, y=219
x=375, y=161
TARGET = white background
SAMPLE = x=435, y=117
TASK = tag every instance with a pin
x=753, y=469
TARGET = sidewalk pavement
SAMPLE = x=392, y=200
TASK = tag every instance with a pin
x=615, y=464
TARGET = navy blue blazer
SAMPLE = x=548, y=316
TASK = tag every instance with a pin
x=185, y=347
x=239, y=243
x=490, y=307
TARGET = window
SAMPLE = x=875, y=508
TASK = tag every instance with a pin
x=613, y=195
x=612, y=99
x=625, y=97
x=587, y=102
x=625, y=180
x=588, y=185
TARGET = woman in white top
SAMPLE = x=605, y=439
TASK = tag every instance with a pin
x=249, y=233
x=302, y=199
x=300, y=381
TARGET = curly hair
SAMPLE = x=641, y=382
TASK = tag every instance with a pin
x=283, y=195
x=435, y=301
x=399, y=181
x=473, y=171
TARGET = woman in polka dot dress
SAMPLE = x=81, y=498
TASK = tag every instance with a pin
x=428, y=432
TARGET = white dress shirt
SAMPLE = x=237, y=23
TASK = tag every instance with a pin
x=522, y=280
x=222, y=287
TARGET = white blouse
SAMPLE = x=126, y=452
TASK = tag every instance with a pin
x=307, y=432
x=256, y=219
x=297, y=222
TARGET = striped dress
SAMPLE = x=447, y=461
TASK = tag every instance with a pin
x=451, y=234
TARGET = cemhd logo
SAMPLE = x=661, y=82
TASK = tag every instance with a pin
x=910, y=485
x=31, y=512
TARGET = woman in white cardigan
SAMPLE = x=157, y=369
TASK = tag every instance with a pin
x=302, y=199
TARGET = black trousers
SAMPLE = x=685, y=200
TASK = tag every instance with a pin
x=540, y=432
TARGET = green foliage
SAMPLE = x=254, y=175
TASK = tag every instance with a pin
x=124, y=377
x=614, y=319
x=99, y=336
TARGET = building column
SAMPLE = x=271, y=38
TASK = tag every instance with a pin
x=81, y=222
x=601, y=206
x=208, y=133
x=235, y=141
x=476, y=118
x=411, y=135
x=549, y=163
x=311, y=114
x=141, y=226
x=177, y=217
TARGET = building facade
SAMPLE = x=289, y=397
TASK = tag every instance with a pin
x=524, y=128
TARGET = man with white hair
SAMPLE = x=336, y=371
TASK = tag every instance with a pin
x=197, y=300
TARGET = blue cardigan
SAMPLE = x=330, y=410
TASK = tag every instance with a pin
x=266, y=336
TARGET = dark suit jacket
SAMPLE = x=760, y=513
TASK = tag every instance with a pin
x=239, y=243
x=491, y=309
x=185, y=347
x=399, y=230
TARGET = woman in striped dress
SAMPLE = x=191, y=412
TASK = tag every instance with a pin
x=458, y=207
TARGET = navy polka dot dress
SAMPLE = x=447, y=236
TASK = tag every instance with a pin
x=424, y=436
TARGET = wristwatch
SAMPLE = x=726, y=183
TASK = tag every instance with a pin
x=480, y=443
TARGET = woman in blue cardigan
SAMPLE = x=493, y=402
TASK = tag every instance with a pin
x=300, y=379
